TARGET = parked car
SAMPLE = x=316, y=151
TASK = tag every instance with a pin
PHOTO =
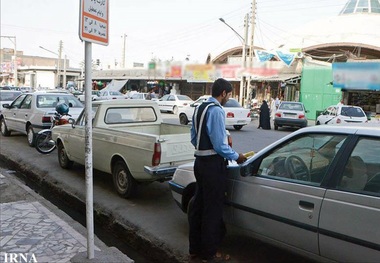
x=139, y=96
x=315, y=192
x=110, y=95
x=236, y=115
x=7, y=96
x=172, y=103
x=130, y=142
x=291, y=114
x=341, y=115
x=94, y=95
x=31, y=112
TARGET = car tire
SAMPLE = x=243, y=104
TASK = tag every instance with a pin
x=123, y=181
x=175, y=110
x=63, y=159
x=31, y=136
x=183, y=119
x=317, y=123
x=238, y=127
x=4, y=129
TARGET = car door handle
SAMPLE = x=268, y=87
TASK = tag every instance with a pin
x=304, y=205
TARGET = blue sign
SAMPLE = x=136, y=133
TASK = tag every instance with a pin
x=356, y=75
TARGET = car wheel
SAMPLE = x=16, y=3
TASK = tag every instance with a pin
x=63, y=159
x=4, y=129
x=175, y=110
x=317, y=123
x=276, y=127
x=123, y=181
x=238, y=127
x=31, y=136
x=183, y=119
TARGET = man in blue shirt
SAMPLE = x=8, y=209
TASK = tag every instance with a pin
x=208, y=135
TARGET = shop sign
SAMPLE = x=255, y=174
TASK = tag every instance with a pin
x=356, y=75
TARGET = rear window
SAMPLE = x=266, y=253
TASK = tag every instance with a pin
x=231, y=103
x=291, y=106
x=183, y=97
x=352, y=112
x=50, y=101
x=130, y=115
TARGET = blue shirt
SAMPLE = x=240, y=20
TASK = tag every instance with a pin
x=216, y=131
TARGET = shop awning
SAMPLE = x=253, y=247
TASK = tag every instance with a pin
x=289, y=78
x=116, y=85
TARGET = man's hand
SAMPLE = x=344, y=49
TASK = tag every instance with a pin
x=241, y=158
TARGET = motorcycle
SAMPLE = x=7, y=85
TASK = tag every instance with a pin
x=44, y=141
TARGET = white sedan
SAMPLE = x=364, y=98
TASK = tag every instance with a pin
x=173, y=103
x=315, y=192
x=342, y=115
x=110, y=95
x=236, y=115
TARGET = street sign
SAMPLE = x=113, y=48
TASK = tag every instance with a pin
x=93, y=21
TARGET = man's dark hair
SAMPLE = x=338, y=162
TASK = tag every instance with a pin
x=219, y=86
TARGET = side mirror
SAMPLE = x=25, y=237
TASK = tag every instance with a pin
x=6, y=106
x=72, y=122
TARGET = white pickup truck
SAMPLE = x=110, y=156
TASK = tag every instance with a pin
x=129, y=141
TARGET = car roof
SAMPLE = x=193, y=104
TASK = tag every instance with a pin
x=122, y=102
x=343, y=129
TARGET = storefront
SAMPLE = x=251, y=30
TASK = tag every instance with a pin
x=360, y=84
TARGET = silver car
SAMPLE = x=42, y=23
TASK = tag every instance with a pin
x=291, y=114
x=31, y=112
x=315, y=192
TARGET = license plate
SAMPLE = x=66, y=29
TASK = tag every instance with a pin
x=241, y=121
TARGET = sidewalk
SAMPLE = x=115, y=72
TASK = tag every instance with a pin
x=34, y=230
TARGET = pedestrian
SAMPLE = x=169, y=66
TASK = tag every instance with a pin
x=273, y=108
x=151, y=95
x=264, y=119
x=340, y=103
x=208, y=135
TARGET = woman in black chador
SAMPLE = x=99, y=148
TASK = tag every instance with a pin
x=264, y=120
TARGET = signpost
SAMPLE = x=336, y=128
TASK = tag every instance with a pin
x=93, y=28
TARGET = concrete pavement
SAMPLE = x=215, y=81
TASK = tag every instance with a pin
x=34, y=230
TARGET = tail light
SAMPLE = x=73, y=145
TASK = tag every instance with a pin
x=249, y=115
x=301, y=116
x=230, y=115
x=156, y=159
x=338, y=120
x=278, y=114
x=46, y=119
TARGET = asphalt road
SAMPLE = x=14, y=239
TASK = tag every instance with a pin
x=151, y=222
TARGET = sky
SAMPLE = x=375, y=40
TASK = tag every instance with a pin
x=166, y=30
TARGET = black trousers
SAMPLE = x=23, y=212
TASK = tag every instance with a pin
x=207, y=228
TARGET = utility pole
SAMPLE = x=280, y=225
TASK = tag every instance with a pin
x=244, y=61
x=251, y=47
x=123, y=53
x=59, y=63
x=253, y=22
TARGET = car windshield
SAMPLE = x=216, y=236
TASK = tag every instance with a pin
x=352, y=112
x=291, y=106
x=231, y=103
x=9, y=96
